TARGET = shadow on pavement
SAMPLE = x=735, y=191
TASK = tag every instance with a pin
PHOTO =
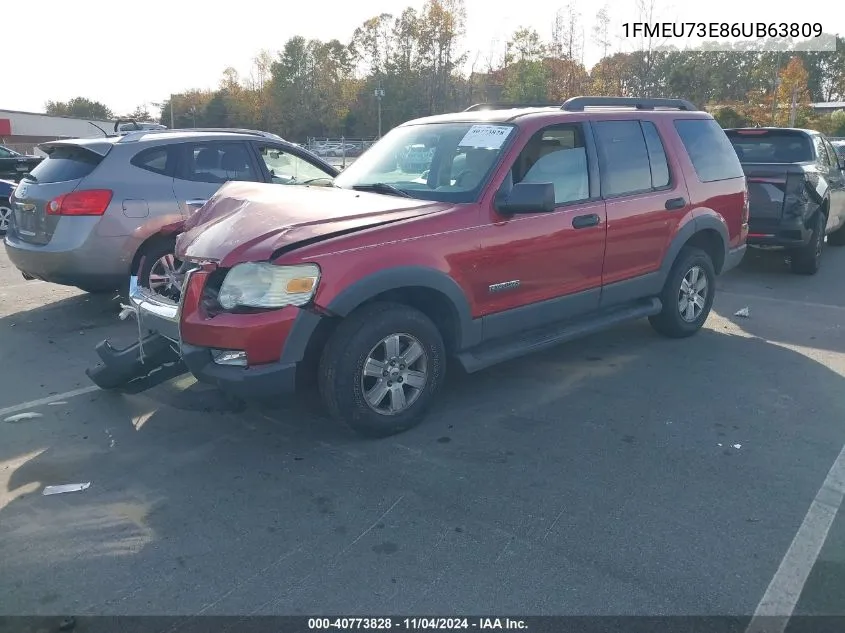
x=622, y=474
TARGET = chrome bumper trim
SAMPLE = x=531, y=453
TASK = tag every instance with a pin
x=154, y=312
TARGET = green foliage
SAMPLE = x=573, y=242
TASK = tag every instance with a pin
x=727, y=117
x=837, y=123
x=314, y=88
x=79, y=107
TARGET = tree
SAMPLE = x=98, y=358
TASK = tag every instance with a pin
x=525, y=45
x=525, y=77
x=567, y=34
x=612, y=76
x=726, y=116
x=79, y=107
x=601, y=30
x=792, y=89
x=316, y=88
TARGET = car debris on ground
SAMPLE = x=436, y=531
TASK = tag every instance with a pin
x=57, y=490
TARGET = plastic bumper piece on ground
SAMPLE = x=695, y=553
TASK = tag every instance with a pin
x=261, y=381
x=130, y=371
x=154, y=358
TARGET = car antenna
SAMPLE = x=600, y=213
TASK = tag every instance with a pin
x=98, y=127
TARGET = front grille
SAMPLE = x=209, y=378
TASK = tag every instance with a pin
x=208, y=300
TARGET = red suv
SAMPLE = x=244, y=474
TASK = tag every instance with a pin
x=526, y=227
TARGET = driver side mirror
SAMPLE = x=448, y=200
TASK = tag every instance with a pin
x=526, y=197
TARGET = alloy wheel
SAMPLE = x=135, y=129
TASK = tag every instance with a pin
x=692, y=296
x=5, y=218
x=395, y=373
x=164, y=275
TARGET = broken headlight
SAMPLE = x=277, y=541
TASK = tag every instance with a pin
x=264, y=285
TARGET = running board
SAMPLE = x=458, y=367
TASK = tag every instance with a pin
x=495, y=352
x=138, y=367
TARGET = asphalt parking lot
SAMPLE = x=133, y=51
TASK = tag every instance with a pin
x=622, y=474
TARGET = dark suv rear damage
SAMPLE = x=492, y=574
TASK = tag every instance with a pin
x=796, y=192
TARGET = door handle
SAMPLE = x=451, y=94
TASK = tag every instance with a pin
x=585, y=221
x=675, y=203
x=196, y=203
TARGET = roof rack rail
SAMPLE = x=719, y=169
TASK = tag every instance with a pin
x=577, y=104
x=508, y=106
x=136, y=135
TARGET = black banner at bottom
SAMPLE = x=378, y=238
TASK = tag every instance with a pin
x=305, y=624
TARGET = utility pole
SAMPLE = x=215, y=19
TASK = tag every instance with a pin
x=379, y=93
x=775, y=87
x=171, y=112
x=793, y=108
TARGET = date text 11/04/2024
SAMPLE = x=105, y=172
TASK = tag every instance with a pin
x=722, y=30
x=420, y=623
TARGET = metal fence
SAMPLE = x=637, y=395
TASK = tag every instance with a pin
x=340, y=152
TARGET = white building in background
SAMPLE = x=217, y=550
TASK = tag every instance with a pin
x=22, y=131
x=826, y=107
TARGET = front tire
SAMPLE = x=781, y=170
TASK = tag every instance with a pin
x=687, y=295
x=382, y=368
x=807, y=259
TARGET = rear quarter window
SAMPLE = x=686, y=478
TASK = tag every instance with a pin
x=159, y=160
x=66, y=163
x=712, y=155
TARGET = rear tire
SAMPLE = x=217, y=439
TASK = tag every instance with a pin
x=807, y=259
x=362, y=378
x=5, y=218
x=687, y=295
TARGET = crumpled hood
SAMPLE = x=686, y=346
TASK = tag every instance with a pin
x=247, y=221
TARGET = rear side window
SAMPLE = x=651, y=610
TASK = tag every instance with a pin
x=835, y=158
x=65, y=163
x=623, y=158
x=709, y=149
x=821, y=151
x=771, y=146
x=159, y=160
x=219, y=162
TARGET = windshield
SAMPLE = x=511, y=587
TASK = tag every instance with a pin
x=765, y=146
x=436, y=161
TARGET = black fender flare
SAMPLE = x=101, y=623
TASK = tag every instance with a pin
x=687, y=231
x=374, y=284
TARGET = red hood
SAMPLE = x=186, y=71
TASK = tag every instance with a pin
x=247, y=221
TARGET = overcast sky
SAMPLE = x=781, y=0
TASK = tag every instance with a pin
x=126, y=56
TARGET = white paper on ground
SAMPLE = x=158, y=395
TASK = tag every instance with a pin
x=57, y=490
x=486, y=136
x=29, y=415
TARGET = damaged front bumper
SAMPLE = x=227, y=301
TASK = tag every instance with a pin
x=155, y=358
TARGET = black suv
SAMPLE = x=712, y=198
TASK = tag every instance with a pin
x=796, y=189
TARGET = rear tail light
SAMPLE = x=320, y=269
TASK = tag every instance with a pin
x=745, y=211
x=89, y=202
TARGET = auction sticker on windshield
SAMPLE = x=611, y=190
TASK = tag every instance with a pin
x=486, y=136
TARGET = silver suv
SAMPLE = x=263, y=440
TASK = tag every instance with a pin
x=91, y=212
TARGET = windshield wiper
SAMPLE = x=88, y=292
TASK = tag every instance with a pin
x=382, y=187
